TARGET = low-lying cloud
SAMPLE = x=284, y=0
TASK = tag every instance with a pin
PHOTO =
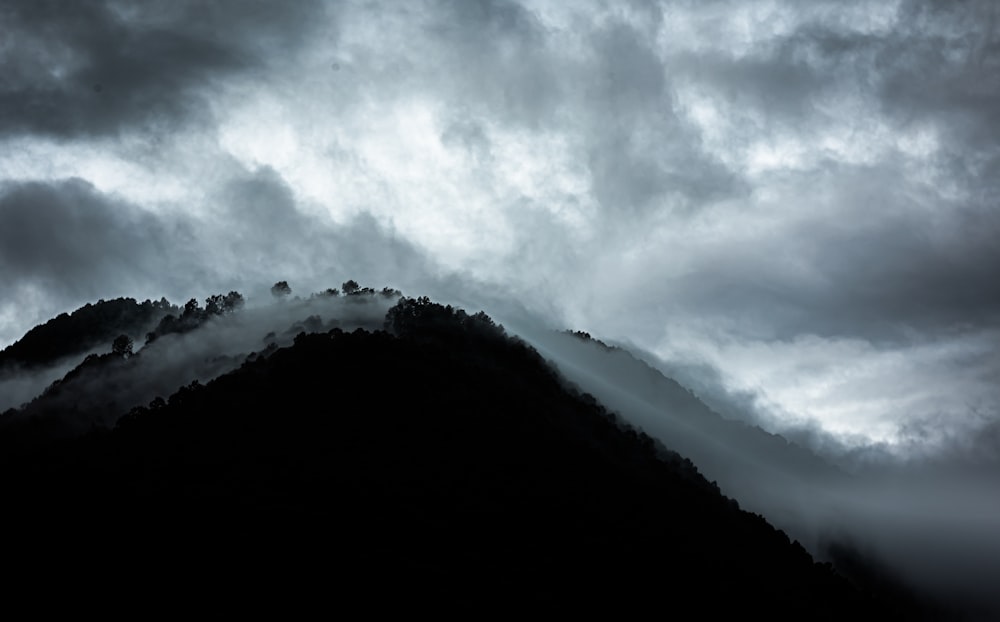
x=929, y=516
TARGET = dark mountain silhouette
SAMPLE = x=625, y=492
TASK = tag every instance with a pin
x=764, y=468
x=437, y=462
x=90, y=326
x=103, y=386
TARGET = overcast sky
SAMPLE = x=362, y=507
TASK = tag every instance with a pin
x=800, y=196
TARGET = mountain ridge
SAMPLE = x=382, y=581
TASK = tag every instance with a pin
x=234, y=445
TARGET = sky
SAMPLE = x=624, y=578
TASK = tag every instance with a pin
x=796, y=201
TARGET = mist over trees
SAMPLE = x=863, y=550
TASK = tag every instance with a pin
x=98, y=390
x=358, y=410
x=281, y=289
x=193, y=315
x=477, y=475
x=89, y=326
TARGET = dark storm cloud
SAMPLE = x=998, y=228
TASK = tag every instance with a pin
x=937, y=67
x=261, y=233
x=875, y=270
x=612, y=94
x=868, y=266
x=94, y=68
x=64, y=243
x=470, y=21
x=630, y=76
x=470, y=135
x=775, y=81
x=72, y=241
x=836, y=249
x=259, y=212
x=632, y=174
x=946, y=69
x=879, y=257
x=642, y=153
x=493, y=57
x=903, y=274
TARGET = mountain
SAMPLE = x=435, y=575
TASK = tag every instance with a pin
x=930, y=525
x=765, y=471
x=432, y=460
x=89, y=326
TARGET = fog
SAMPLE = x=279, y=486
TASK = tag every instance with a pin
x=18, y=386
x=932, y=520
x=99, y=395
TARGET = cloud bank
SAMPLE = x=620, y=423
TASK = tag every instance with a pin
x=800, y=198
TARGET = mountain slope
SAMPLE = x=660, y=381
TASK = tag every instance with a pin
x=444, y=461
x=89, y=326
x=764, y=471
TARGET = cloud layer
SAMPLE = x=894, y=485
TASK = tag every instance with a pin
x=801, y=197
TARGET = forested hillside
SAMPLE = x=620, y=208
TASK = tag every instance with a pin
x=437, y=458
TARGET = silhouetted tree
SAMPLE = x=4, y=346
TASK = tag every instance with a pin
x=350, y=287
x=219, y=304
x=191, y=309
x=280, y=289
x=122, y=346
